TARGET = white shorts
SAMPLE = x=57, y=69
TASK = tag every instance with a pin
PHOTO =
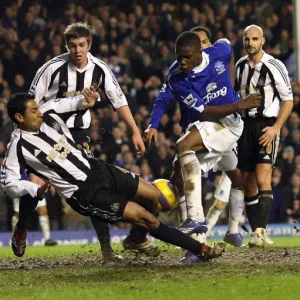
x=222, y=191
x=220, y=140
x=16, y=204
x=229, y=160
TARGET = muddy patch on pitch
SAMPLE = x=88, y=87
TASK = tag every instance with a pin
x=250, y=258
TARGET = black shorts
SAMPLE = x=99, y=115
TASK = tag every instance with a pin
x=106, y=192
x=250, y=153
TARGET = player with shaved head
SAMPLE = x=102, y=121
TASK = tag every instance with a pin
x=258, y=145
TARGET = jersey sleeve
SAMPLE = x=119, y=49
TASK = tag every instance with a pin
x=282, y=81
x=41, y=82
x=11, y=179
x=64, y=105
x=160, y=106
x=112, y=89
x=224, y=48
x=185, y=94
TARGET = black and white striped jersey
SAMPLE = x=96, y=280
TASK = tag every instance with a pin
x=50, y=153
x=270, y=77
x=59, y=78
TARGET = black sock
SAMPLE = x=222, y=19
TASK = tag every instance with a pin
x=251, y=205
x=102, y=231
x=26, y=208
x=264, y=206
x=138, y=234
x=175, y=237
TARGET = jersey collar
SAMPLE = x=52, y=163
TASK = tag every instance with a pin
x=203, y=65
x=264, y=58
x=90, y=62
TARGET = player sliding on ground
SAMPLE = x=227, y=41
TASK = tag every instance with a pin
x=42, y=144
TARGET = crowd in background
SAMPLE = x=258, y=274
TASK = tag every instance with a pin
x=136, y=39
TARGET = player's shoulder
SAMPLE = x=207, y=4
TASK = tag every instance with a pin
x=273, y=63
x=222, y=41
x=15, y=137
x=242, y=60
x=97, y=61
x=219, y=45
x=173, y=71
x=219, y=48
x=56, y=62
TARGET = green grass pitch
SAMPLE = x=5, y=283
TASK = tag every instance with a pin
x=78, y=272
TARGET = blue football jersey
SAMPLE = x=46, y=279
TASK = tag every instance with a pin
x=209, y=84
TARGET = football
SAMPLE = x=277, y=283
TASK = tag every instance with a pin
x=168, y=200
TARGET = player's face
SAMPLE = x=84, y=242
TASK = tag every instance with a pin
x=253, y=41
x=78, y=50
x=32, y=118
x=205, y=42
x=188, y=58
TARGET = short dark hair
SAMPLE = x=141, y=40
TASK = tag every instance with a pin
x=187, y=38
x=201, y=28
x=17, y=104
x=78, y=30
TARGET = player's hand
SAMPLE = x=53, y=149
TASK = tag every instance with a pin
x=150, y=134
x=269, y=134
x=42, y=190
x=252, y=101
x=90, y=95
x=138, y=143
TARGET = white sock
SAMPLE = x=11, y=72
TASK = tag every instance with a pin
x=182, y=208
x=200, y=237
x=212, y=217
x=45, y=226
x=236, y=208
x=14, y=221
x=191, y=172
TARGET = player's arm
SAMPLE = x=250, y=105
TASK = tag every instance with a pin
x=125, y=113
x=210, y=113
x=225, y=48
x=40, y=83
x=213, y=113
x=282, y=84
x=11, y=170
x=118, y=101
x=64, y=106
x=160, y=107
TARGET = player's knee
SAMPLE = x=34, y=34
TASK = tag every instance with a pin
x=42, y=211
x=176, y=180
x=16, y=214
x=264, y=181
x=220, y=205
x=146, y=219
x=151, y=221
x=236, y=179
x=249, y=184
x=181, y=146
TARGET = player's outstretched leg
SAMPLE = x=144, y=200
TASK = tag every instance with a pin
x=136, y=214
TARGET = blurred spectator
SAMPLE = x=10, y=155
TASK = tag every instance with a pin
x=278, y=209
x=19, y=84
x=288, y=164
x=112, y=145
